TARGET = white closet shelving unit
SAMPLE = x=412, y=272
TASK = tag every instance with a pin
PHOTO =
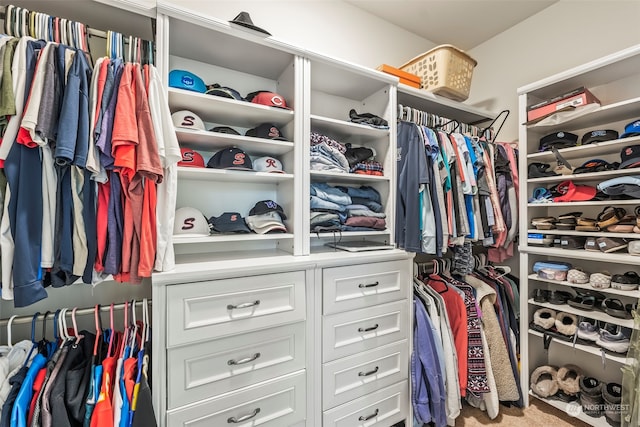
x=615, y=81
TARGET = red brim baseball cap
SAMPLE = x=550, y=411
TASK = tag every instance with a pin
x=574, y=193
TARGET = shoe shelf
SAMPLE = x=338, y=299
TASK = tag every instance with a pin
x=578, y=414
x=586, y=233
x=583, y=151
x=221, y=238
x=586, y=286
x=591, y=176
x=588, y=203
x=620, y=257
x=593, y=349
x=593, y=314
x=217, y=109
x=626, y=109
x=222, y=175
x=214, y=141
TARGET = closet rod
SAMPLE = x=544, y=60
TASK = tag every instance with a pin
x=91, y=31
x=79, y=312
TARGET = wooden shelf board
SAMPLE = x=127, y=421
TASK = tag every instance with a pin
x=602, y=176
x=594, y=314
x=213, y=141
x=216, y=109
x=226, y=175
x=621, y=257
x=631, y=294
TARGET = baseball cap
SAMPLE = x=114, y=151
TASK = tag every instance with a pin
x=267, y=164
x=183, y=79
x=229, y=222
x=224, y=91
x=187, y=119
x=191, y=159
x=595, y=165
x=267, y=131
x=190, y=222
x=599, y=136
x=230, y=158
x=631, y=129
x=225, y=129
x=569, y=192
x=265, y=97
x=630, y=157
x=266, y=223
x=558, y=140
x=244, y=19
x=266, y=206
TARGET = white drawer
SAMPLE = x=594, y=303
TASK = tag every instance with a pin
x=275, y=404
x=354, y=376
x=360, y=330
x=358, y=286
x=205, y=369
x=204, y=310
x=381, y=408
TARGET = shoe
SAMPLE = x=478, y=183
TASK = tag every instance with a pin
x=614, y=307
x=559, y=297
x=591, y=396
x=612, y=395
x=569, y=218
x=566, y=324
x=569, y=379
x=571, y=242
x=608, y=245
x=600, y=280
x=614, y=338
x=544, y=223
x=541, y=295
x=628, y=281
x=544, y=381
x=577, y=276
x=545, y=318
x=588, y=330
x=591, y=245
x=610, y=216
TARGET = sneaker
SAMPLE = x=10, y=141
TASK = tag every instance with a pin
x=588, y=330
x=614, y=338
x=612, y=395
x=591, y=396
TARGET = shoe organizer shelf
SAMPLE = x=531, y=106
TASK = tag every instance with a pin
x=615, y=81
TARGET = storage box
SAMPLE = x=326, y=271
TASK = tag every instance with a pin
x=406, y=78
x=566, y=101
x=551, y=270
x=444, y=70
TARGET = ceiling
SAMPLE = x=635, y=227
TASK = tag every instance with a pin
x=437, y=20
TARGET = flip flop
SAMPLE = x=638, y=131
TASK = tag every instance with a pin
x=614, y=307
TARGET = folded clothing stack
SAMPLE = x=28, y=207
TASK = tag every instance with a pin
x=327, y=154
x=344, y=208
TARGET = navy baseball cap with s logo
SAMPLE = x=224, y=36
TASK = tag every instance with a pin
x=230, y=158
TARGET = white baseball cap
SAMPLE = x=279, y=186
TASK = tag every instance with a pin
x=187, y=119
x=190, y=222
x=264, y=223
x=267, y=164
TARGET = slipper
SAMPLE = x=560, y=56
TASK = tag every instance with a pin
x=586, y=221
x=621, y=228
x=637, y=212
x=591, y=245
x=569, y=379
x=545, y=318
x=572, y=242
x=565, y=226
x=544, y=381
x=614, y=307
x=569, y=218
x=628, y=281
x=608, y=245
x=566, y=324
x=588, y=228
x=610, y=215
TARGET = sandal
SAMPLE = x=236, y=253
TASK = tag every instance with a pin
x=584, y=302
x=544, y=223
x=569, y=218
x=637, y=212
x=586, y=224
x=614, y=307
x=628, y=281
x=559, y=297
x=610, y=215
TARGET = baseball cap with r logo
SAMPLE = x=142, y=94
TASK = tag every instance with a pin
x=267, y=164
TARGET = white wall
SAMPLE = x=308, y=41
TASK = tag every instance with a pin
x=331, y=27
x=565, y=35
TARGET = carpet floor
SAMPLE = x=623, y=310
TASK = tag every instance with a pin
x=538, y=414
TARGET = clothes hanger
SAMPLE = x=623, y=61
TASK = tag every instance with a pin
x=75, y=326
x=494, y=136
x=9, y=332
x=33, y=338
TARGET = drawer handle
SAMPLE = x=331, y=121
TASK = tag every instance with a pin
x=368, y=417
x=235, y=420
x=366, y=374
x=244, y=305
x=368, y=285
x=371, y=328
x=243, y=361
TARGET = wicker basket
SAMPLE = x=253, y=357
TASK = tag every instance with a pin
x=445, y=70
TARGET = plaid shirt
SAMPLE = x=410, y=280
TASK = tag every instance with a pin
x=370, y=165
